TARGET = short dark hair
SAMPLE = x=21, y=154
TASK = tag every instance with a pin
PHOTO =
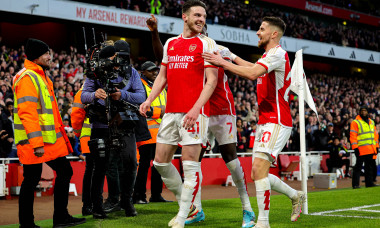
x=190, y=3
x=276, y=21
x=9, y=103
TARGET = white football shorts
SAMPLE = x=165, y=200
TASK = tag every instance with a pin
x=172, y=132
x=270, y=140
x=223, y=129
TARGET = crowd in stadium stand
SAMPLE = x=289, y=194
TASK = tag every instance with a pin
x=373, y=9
x=337, y=99
x=236, y=13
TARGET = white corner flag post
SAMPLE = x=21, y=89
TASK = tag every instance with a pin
x=300, y=87
x=297, y=75
x=298, y=62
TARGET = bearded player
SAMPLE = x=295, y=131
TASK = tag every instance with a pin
x=191, y=81
x=272, y=73
x=222, y=128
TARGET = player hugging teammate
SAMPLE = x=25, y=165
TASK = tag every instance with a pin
x=199, y=102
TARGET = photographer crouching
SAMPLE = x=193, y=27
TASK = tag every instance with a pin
x=112, y=88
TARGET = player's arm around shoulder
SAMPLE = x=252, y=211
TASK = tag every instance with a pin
x=249, y=72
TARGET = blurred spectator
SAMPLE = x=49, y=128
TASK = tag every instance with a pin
x=338, y=157
x=69, y=131
x=155, y=6
x=250, y=134
x=6, y=133
x=370, y=8
x=241, y=138
x=6, y=91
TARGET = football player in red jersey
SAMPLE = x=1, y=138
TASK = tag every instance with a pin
x=272, y=73
x=222, y=113
x=191, y=81
x=222, y=128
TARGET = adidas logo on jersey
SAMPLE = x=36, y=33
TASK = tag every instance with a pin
x=231, y=137
x=171, y=49
x=262, y=145
x=196, y=137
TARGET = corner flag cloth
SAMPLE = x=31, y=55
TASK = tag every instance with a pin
x=299, y=81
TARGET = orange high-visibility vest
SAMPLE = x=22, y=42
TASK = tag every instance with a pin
x=364, y=136
x=28, y=101
x=80, y=122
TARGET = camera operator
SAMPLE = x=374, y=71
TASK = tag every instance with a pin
x=93, y=93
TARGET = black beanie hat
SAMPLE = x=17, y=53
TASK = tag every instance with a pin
x=35, y=48
x=363, y=107
x=122, y=47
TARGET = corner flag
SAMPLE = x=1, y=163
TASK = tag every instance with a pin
x=300, y=87
x=299, y=79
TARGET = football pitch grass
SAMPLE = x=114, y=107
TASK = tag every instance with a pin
x=331, y=208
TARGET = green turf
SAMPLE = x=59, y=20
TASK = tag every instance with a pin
x=375, y=208
x=227, y=212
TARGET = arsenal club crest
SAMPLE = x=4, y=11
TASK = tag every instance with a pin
x=192, y=47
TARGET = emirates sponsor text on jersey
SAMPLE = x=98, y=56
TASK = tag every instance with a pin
x=179, y=61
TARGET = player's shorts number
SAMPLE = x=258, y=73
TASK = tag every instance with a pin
x=192, y=130
x=266, y=137
x=230, y=124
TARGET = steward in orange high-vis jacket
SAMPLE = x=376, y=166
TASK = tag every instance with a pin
x=365, y=141
x=40, y=136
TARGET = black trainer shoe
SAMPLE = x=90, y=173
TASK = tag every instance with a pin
x=99, y=215
x=372, y=185
x=130, y=210
x=69, y=221
x=86, y=211
x=30, y=226
x=109, y=207
x=158, y=199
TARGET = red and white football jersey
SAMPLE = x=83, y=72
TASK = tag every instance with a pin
x=273, y=88
x=186, y=71
x=222, y=100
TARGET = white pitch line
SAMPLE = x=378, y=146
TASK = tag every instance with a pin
x=361, y=208
x=375, y=211
x=351, y=216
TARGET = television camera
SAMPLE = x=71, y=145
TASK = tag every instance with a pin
x=104, y=63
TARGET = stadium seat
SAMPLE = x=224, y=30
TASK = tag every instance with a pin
x=287, y=166
x=324, y=167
